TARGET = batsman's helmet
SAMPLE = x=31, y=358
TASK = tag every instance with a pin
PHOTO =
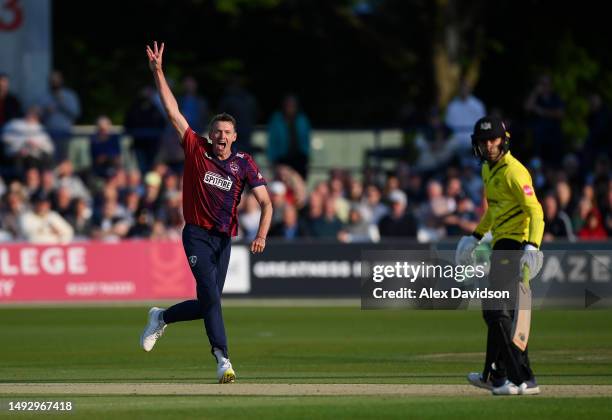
x=488, y=128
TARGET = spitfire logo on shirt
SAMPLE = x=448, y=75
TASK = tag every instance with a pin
x=218, y=181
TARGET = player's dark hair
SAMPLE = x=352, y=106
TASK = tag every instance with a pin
x=224, y=116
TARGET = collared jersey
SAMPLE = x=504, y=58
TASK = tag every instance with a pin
x=212, y=187
x=513, y=209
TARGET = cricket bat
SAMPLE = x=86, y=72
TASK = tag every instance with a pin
x=522, y=312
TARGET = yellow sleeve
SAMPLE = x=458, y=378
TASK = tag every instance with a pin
x=521, y=187
x=485, y=224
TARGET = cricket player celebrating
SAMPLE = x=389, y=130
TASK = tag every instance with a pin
x=213, y=180
x=515, y=218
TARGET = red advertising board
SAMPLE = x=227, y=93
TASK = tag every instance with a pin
x=138, y=270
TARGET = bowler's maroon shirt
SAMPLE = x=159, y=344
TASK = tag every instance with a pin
x=212, y=187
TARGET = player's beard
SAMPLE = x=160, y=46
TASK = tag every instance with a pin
x=496, y=157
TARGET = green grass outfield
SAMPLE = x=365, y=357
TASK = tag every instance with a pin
x=294, y=345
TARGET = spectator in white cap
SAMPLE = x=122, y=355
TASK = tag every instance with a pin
x=43, y=225
x=278, y=195
x=399, y=222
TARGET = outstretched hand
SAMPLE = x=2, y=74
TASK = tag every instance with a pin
x=155, y=56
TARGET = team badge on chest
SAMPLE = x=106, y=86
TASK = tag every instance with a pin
x=234, y=167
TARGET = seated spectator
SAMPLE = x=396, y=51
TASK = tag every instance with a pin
x=327, y=225
x=12, y=211
x=143, y=226
x=336, y=190
x=63, y=203
x=67, y=178
x=399, y=222
x=81, y=220
x=289, y=227
x=159, y=232
x=170, y=185
x=463, y=220
x=249, y=218
x=454, y=190
x=358, y=229
x=372, y=209
x=134, y=182
x=278, y=196
x=43, y=225
x=26, y=143
x=355, y=193
x=593, y=228
x=110, y=225
x=433, y=212
x=582, y=210
x=152, y=197
x=105, y=149
x=557, y=224
x=172, y=215
x=296, y=187
x=472, y=183
x=434, y=149
x=32, y=182
x=414, y=187
x=565, y=198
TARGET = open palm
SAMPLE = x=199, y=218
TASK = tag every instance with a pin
x=155, y=56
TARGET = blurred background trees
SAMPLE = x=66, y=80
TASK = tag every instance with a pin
x=353, y=63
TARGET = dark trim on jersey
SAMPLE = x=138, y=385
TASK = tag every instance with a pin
x=518, y=206
x=495, y=172
x=512, y=216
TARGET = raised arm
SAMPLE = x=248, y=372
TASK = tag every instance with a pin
x=168, y=100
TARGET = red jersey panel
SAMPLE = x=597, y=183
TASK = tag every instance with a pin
x=212, y=187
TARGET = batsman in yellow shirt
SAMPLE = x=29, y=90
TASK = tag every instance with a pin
x=515, y=218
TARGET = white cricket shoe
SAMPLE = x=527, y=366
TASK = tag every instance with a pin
x=475, y=378
x=529, y=388
x=508, y=388
x=225, y=372
x=154, y=329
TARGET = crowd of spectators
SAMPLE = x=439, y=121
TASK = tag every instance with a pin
x=435, y=196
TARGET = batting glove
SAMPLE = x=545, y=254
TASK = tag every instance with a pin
x=533, y=258
x=465, y=248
